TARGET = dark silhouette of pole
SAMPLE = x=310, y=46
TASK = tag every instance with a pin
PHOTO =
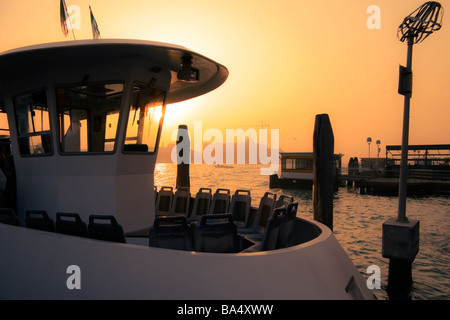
x=183, y=179
x=323, y=170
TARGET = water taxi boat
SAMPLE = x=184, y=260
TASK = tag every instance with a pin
x=85, y=118
x=296, y=171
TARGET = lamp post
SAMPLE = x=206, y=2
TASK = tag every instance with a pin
x=400, y=235
x=415, y=28
x=378, y=148
x=369, y=140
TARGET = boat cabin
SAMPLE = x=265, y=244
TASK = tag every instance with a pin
x=296, y=170
x=297, y=165
x=85, y=119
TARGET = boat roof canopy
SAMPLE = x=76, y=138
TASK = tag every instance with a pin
x=161, y=55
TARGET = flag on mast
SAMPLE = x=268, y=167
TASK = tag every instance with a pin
x=64, y=16
x=94, y=25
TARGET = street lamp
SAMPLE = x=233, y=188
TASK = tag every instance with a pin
x=400, y=235
x=415, y=28
x=378, y=146
x=369, y=140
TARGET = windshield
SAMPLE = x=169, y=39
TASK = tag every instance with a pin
x=144, y=119
x=89, y=117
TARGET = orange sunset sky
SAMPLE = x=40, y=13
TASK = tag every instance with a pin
x=289, y=60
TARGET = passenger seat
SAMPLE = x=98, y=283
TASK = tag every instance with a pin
x=39, y=219
x=271, y=239
x=164, y=201
x=8, y=216
x=286, y=230
x=240, y=207
x=202, y=203
x=216, y=233
x=220, y=201
x=105, y=227
x=171, y=233
x=70, y=224
x=180, y=203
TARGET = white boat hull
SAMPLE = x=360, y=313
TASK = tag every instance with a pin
x=35, y=266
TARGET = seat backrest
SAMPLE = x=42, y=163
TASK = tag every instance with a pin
x=180, y=203
x=220, y=201
x=71, y=224
x=264, y=212
x=105, y=227
x=216, y=233
x=39, y=219
x=240, y=207
x=8, y=216
x=284, y=200
x=202, y=203
x=164, y=201
x=272, y=231
x=288, y=225
x=171, y=233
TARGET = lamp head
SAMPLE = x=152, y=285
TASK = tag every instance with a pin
x=422, y=22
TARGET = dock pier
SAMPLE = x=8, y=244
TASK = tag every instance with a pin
x=381, y=185
x=428, y=171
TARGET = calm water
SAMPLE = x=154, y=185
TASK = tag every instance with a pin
x=357, y=222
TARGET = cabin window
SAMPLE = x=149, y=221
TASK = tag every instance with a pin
x=289, y=164
x=304, y=164
x=33, y=123
x=144, y=119
x=297, y=164
x=4, y=126
x=88, y=117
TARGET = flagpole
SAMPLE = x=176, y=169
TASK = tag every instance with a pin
x=94, y=26
x=71, y=26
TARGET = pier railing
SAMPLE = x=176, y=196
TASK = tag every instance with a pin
x=394, y=172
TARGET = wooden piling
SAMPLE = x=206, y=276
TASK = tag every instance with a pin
x=323, y=149
x=183, y=179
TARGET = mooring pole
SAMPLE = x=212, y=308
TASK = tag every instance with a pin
x=323, y=176
x=183, y=179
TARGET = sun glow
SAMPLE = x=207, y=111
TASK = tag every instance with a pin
x=154, y=114
x=176, y=113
